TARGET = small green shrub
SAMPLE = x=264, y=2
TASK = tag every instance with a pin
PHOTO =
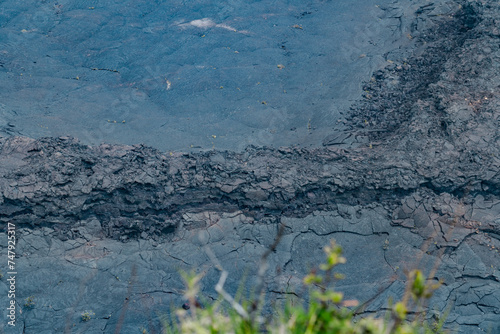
x=29, y=302
x=326, y=312
x=87, y=315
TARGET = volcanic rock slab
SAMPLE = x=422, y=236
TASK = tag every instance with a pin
x=413, y=183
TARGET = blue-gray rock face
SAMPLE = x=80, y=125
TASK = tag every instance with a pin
x=411, y=181
x=199, y=75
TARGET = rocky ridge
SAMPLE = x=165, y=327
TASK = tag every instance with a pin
x=415, y=182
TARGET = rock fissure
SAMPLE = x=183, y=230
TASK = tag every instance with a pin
x=420, y=150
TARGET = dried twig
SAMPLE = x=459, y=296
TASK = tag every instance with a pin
x=263, y=266
x=220, y=285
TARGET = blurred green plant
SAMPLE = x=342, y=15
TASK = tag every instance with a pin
x=29, y=302
x=87, y=315
x=326, y=312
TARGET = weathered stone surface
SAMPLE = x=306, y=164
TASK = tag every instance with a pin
x=108, y=228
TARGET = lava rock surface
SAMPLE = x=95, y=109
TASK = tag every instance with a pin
x=414, y=182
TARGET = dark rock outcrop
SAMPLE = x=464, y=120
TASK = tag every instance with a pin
x=415, y=182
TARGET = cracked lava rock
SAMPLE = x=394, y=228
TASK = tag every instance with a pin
x=413, y=183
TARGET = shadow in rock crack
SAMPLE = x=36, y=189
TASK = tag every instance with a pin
x=424, y=189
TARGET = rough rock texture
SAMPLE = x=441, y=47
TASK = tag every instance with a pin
x=198, y=75
x=415, y=183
